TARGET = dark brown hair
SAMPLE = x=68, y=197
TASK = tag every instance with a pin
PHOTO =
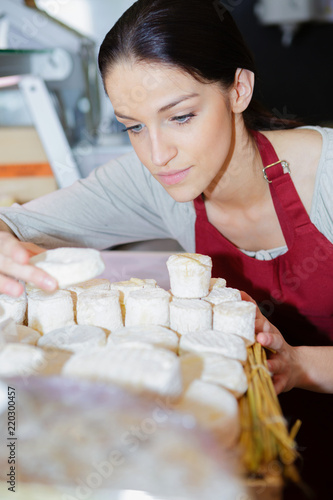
x=198, y=36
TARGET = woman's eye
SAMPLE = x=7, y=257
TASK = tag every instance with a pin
x=183, y=119
x=135, y=129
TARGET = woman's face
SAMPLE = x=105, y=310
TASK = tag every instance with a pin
x=180, y=129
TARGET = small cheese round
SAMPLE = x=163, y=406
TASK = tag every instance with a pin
x=140, y=368
x=49, y=311
x=190, y=275
x=17, y=359
x=217, y=283
x=10, y=332
x=70, y=265
x=190, y=315
x=223, y=294
x=13, y=307
x=148, y=306
x=236, y=318
x=99, y=308
x=75, y=338
x=131, y=285
x=215, y=342
x=27, y=335
x=214, y=408
x=156, y=335
x=94, y=284
x=226, y=372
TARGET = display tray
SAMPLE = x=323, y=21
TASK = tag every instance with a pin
x=91, y=440
x=79, y=439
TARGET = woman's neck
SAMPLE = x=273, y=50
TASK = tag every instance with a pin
x=240, y=183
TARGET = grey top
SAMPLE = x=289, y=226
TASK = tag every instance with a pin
x=121, y=202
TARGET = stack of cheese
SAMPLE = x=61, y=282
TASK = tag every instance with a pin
x=187, y=344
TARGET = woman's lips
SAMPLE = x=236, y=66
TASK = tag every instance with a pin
x=174, y=176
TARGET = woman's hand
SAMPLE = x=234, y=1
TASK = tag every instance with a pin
x=282, y=360
x=14, y=265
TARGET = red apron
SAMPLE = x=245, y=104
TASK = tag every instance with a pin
x=295, y=291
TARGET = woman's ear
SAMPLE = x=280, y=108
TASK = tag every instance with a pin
x=242, y=91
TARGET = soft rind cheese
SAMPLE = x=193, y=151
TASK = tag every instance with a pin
x=131, y=285
x=70, y=265
x=236, y=318
x=214, y=408
x=10, y=333
x=75, y=338
x=21, y=360
x=217, y=283
x=13, y=307
x=223, y=294
x=214, y=342
x=155, y=335
x=27, y=335
x=148, y=306
x=216, y=369
x=99, y=308
x=142, y=369
x=190, y=275
x=49, y=311
x=94, y=284
x=190, y=315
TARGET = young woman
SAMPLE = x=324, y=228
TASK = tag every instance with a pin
x=211, y=170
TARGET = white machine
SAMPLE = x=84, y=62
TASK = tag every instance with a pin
x=289, y=14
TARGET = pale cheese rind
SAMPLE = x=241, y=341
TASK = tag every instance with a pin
x=214, y=408
x=214, y=342
x=94, y=284
x=216, y=369
x=236, y=318
x=10, y=333
x=140, y=368
x=131, y=285
x=190, y=315
x=148, y=306
x=49, y=311
x=190, y=275
x=156, y=335
x=21, y=360
x=217, y=283
x=13, y=307
x=99, y=308
x=75, y=338
x=70, y=265
x=220, y=295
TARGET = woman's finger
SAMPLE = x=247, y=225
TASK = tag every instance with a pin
x=33, y=249
x=12, y=248
x=271, y=340
x=279, y=383
x=10, y=286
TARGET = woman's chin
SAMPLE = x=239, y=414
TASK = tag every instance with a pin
x=182, y=195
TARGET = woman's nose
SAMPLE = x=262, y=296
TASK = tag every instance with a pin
x=162, y=151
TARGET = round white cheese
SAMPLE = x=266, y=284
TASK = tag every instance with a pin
x=75, y=338
x=70, y=265
x=156, y=335
x=148, y=306
x=215, y=342
x=236, y=318
x=190, y=315
x=190, y=275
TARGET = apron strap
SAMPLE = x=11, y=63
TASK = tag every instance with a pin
x=287, y=203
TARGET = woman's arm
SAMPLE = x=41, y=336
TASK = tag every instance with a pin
x=14, y=265
x=304, y=367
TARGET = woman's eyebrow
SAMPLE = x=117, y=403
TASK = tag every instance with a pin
x=164, y=108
